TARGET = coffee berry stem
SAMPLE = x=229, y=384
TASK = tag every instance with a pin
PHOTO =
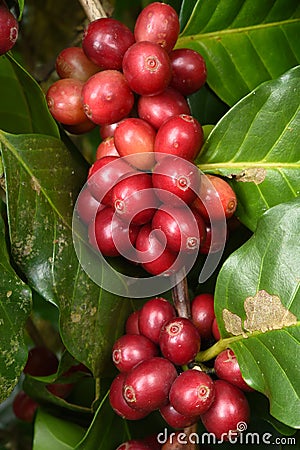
x=93, y=9
x=180, y=296
x=218, y=347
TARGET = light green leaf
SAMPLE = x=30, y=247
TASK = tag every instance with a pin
x=257, y=303
x=51, y=433
x=23, y=108
x=257, y=143
x=43, y=179
x=15, y=307
x=244, y=42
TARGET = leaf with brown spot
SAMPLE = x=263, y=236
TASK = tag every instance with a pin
x=257, y=304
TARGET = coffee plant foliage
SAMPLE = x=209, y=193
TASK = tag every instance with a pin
x=249, y=109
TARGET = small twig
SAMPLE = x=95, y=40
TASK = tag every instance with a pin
x=180, y=295
x=93, y=9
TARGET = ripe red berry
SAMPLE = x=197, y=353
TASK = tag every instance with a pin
x=227, y=368
x=179, y=341
x=104, y=174
x=24, y=407
x=72, y=62
x=216, y=199
x=176, y=420
x=61, y=390
x=105, y=41
x=147, y=385
x=156, y=109
x=107, y=148
x=177, y=176
x=216, y=237
x=118, y=403
x=132, y=323
x=9, y=29
x=133, y=198
x=159, y=23
x=202, y=311
x=107, y=97
x=110, y=235
x=154, y=257
x=108, y=130
x=136, y=136
x=184, y=229
x=215, y=330
x=87, y=206
x=192, y=393
x=146, y=67
x=80, y=128
x=179, y=136
x=229, y=408
x=64, y=101
x=41, y=362
x=152, y=316
x=134, y=445
x=130, y=349
x=188, y=70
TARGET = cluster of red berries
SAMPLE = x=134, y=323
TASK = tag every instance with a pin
x=9, y=29
x=42, y=362
x=156, y=359
x=143, y=197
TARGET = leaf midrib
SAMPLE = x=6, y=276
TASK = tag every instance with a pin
x=229, y=31
x=247, y=164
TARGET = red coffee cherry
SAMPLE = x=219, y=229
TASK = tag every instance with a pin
x=130, y=349
x=108, y=130
x=179, y=136
x=188, y=70
x=24, y=407
x=147, y=385
x=192, y=393
x=107, y=148
x=105, y=41
x=219, y=235
x=72, y=62
x=183, y=228
x=87, y=206
x=156, y=109
x=80, y=128
x=107, y=97
x=110, y=235
x=202, y=311
x=146, y=67
x=175, y=180
x=64, y=101
x=179, y=341
x=41, y=362
x=133, y=198
x=132, y=323
x=61, y=390
x=176, y=420
x=104, y=174
x=118, y=403
x=227, y=368
x=229, y=408
x=134, y=445
x=154, y=257
x=132, y=136
x=152, y=316
x=216, y=199
x=158, y=23
x=9, y=30
x=215, y=330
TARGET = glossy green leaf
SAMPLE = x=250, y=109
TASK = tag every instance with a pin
x=106, y=431
x=257, y=143
x=43, y=179
x=257, y=302
x=15, y=307
x=21, y=7
x=51, y=433
x=244, y=42
x=23, y=108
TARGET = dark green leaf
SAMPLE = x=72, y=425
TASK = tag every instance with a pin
x=257, y=142
x=15, y=306
x=244, y=42
x=257, y=300
x=51, y=433
x=206, y=106
x=43, y=179
x=106, y=432
x=23, y=108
